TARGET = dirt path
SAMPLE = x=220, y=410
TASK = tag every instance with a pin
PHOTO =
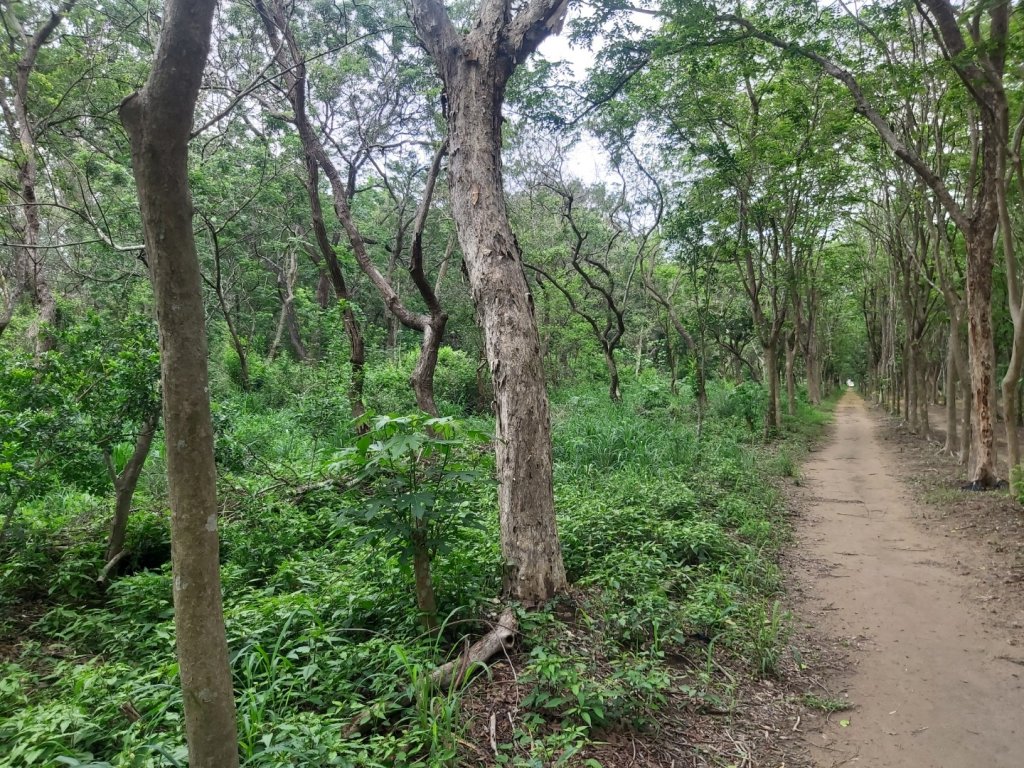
x=931, y=685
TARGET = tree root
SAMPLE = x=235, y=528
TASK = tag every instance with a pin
x=498, y=639
x=102, y=578
x=977, y=485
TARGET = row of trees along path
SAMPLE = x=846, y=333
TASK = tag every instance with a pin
x=792, y=194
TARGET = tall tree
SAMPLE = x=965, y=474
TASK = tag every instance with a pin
x=977, y=59
x=475, y=68
x=291, y=59
x=30, y=272
x=158, y=119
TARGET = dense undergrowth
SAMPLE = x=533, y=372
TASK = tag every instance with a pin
x=669, y=538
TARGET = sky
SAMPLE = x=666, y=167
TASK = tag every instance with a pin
x=587, y=159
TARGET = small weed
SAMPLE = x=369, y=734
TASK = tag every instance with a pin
x=826, y=703
x=767, y=632
x=943, y=496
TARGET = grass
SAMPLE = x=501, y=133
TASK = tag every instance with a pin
x=667, y=536
x=827, y=704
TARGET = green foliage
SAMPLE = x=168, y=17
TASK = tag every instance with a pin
x=59, y=415
x=665, y=533
x=412, y=475
x=455, y=384
x=747, y=402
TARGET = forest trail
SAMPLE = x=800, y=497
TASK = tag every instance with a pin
x=930, y=685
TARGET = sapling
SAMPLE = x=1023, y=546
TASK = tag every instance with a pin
x=416, y=478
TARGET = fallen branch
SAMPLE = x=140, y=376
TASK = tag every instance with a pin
x=498, y=639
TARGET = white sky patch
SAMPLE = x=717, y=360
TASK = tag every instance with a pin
x=587, y=158
x=558, y=48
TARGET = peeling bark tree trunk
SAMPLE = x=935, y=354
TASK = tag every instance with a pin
x=475, y=69
x=158, y=120
x=982, y=360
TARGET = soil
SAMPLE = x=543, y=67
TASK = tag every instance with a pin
x=923, y=598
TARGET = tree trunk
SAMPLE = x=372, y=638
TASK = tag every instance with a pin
x=771, y=375
x=426, y=601
x=286, y=278
x=910, y=386
x=295, y=334
x=923, y=389
x=357, y=348
x=963, y=375
x=790, y=377
x=672, y=363
x=813, y=370
x=422, y=379
x=1010, y=384
x=125, y=484
x=982, y=359
x=613, y=376
x=158, y=120
x=1011, y=380
x=950, y=387
x=475, y=68
x=533, y=560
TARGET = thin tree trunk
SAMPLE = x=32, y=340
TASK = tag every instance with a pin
x=613, y=375
x=1010, y=385
x=426, y=600
x=913, y=389
x=950, y=387
x=813, y=368
x=1011, y=380
x=286, y=278
x=791, y=376
x=422, y=378
x=922, y=394
x=158, y=120
x=295, y=335
x=356, y=346
x=275, y=345
x=126, y=482
x=771, y=374
x=217, y=286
